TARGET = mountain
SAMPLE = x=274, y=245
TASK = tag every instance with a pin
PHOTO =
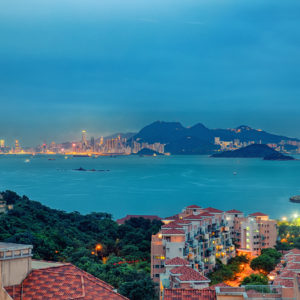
x=199, y=139
x=254, y=151
x=126, y=135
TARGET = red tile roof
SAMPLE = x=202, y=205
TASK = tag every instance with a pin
x=234, y=211
x=286, y=275
x=177, y=261
x=213, y=210
x=62, y=283
x=193, y=206
x=284, y=282
x=258, y=214
x=294, y=251
x=189, y=294
x=188, y=274
x=294, y=266
x=128, y=217
x=172, y=231
x=175, y=217
x=181, y=221
x=193, y=217
x=172, y=225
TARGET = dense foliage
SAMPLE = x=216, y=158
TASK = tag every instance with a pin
x=227, y=272
x=255, y=279
x=289, y=233
x=122, y=257
x=267, y=261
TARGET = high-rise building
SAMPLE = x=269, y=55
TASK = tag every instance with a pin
x=17, y=146
x=93, y=143
x=2, y=143
x=84, y=143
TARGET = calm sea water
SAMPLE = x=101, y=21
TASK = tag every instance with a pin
x=154, y=185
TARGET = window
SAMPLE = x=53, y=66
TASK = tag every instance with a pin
x=156, y=275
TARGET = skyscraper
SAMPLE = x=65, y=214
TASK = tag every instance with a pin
x=2, y=143
x=83, y=140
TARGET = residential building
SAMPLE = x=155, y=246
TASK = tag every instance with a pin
x=197, y=235
x=128, y=217
x=22, y=278
x=252, y=233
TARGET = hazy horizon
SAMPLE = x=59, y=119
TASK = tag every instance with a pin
x=111, y=66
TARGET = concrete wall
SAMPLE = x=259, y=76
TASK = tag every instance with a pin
x=3, y=293
x=14, y=271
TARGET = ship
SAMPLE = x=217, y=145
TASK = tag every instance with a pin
x=295, y=199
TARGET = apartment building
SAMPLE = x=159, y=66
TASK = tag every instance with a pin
x=252, y=233
x=200, y=236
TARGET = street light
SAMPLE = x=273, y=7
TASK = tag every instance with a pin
x=284, y=218
x=98, y=247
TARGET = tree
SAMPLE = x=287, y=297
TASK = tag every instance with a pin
x=272, y=253
x=263, y=263
x=255, y=279
x=140, y=289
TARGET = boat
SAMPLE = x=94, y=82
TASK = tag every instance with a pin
x=81, y=155
x=295, y=199
x=27, y=160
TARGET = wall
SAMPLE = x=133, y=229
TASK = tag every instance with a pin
x=3, y=293
x=14, y=271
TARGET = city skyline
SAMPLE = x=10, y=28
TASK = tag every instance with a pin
x=81, y=136
x=125, y=65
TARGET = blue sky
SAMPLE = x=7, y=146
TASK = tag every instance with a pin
x=117, y=65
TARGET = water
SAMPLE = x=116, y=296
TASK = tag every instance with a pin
x=154, y=185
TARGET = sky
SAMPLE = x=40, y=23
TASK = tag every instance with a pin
x=118, y=65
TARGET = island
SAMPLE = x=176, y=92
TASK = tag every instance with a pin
x=295, y=199
x=254, y=151
x=148, y=152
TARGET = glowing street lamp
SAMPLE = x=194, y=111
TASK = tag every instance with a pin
x=98, y=247
x=284, y=219
x=295, y=216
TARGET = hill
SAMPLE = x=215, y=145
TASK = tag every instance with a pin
x=254, y=151
x=199, y=139
x=124, y=255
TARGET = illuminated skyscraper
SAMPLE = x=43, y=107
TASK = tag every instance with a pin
x=17, y=146
x=2, y=143
x=101, y=141
x=83, y=140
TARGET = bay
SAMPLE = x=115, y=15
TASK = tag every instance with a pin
x=154, y=185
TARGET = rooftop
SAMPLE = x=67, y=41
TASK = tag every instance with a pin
x=234, y=211
x=214, y=210
x=62, y=283
x=12, y=246
x=177, y=261
x=188, y=274
x=173, y=231
x=172, y=225
x=128, y=217
x=189, y=294
x=193, y=206
x=258, y=214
